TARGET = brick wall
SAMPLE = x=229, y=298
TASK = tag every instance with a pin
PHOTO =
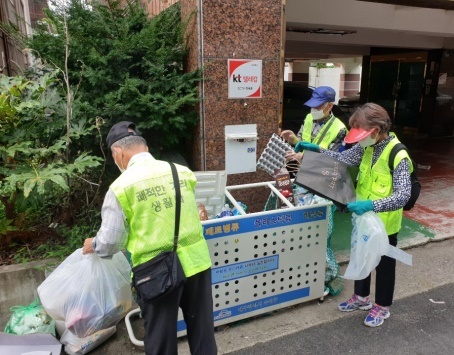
x=154, y=7
x=12, y=59
x=36, y=10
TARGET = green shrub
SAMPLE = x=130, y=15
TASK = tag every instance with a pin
x=127, y=67
x=109, y=63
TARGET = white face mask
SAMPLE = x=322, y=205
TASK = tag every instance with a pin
x=318, y=114
x=121, y=169
x=118, y=166
x=368, y=141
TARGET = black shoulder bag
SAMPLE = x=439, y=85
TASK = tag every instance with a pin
x=164, y=273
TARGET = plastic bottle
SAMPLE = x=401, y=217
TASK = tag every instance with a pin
x=226, y=211
x=236, y=212
x=203, y=215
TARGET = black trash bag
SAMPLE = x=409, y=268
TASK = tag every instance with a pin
x=327, y=177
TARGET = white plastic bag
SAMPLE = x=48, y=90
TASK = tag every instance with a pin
x=87, y=292
x=79, y=346
x=369, y=243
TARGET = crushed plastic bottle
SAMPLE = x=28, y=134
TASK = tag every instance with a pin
x=236, y=212
x=226, y=211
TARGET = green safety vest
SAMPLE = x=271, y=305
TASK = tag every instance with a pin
x=329, y=137
x=147, y=195
x=376, y=182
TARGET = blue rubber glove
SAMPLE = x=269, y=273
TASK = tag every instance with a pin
x=300, y=146
x=360, y=207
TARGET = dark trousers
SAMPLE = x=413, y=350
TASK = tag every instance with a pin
x=385, y=279
x=160, y=318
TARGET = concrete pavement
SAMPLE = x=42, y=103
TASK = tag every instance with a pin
x=433, y=265
x=433, y=268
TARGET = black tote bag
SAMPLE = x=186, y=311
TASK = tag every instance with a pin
x=327, y=177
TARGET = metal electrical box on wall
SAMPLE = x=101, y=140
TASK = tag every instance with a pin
x=240, y=148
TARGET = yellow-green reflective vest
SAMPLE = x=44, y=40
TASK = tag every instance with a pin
x=376, y=182
x=329, y=137
x=147, y=195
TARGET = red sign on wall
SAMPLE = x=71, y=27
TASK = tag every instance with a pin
x=245, y=78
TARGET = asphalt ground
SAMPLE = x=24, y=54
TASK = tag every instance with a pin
x=416, y=325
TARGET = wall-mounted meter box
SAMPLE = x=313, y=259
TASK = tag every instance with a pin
x=240, y=148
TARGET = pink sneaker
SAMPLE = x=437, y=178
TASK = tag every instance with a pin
x=354, y=304
x=377, y=316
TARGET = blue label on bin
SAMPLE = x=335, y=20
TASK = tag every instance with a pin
x=254, y=305
x=233, y=226
x=243, y=269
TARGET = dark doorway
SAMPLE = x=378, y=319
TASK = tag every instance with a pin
x=408, y=100
x=397, y=84
x=383, y=78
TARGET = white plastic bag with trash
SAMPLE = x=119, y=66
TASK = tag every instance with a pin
x=369, y=243
x=87, y=292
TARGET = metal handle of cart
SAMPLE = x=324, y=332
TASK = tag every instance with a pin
x=132, y=337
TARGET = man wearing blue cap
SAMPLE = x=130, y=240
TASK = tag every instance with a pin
x=320, y=127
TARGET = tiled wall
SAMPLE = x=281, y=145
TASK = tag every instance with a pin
x=241, y=29
x=350, y=84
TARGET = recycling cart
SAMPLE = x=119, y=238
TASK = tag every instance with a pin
x=263, y=261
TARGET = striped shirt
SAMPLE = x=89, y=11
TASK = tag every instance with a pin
x=401, y=175
x=114, y=230
x=112, y=234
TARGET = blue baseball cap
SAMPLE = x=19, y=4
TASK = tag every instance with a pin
x=321, y=95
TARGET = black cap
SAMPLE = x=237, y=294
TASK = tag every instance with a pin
x=121, y=130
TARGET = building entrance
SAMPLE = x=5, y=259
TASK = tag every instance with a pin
x=396, y=82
